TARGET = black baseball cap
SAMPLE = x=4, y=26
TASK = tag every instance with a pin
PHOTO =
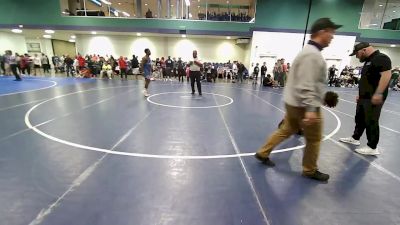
x=323, y=23
x=359, y=46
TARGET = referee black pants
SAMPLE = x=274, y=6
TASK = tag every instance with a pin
x=195, y=77
x=367, y=118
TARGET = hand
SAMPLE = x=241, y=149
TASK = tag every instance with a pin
x=357, y=98
x=310, y=118
x=377, y=99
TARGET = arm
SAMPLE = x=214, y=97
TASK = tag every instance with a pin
x=377, y=98
x=198, y=63
x=141, y=66
x=310, y=75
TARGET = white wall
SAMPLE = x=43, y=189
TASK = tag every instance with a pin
x=287, y=46
x=393, y=53
x=209, y=49
x=13, y=42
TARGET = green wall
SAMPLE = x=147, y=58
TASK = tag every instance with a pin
x=271, y=14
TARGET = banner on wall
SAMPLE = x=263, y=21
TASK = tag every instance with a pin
x=33, y=47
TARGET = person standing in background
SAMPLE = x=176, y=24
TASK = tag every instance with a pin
x=195, y=74
x=263, y=72
x=12, y=60
x=145, y=66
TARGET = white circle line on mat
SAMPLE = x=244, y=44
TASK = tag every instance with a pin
x=38, y=89
x=189, y=107
x=132, y=154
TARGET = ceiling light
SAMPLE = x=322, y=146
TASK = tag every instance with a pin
x=187, y=2
x=16, y=31
x=145, y=4
x=47, y=36
x=392, y=46
x=73, y=36
x=106, y=2
x=198, y=6
x=228, y=37
x=183, y=35
x=119, y=3
x=172, y=5
x=71, y=40
x=49, y=31
x=380, y=5
x=94, y=32
x=139, y=34
x=21, y=26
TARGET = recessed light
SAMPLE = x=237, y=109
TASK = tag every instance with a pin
x=94, y=32
x=73, y=36
x=106, y=2
x=71, y=40
x=183, y=35
x=47, y=36
x=139, y=34
x=392, y=46
x=380, y=5
x=16, y=31
x=145, y=4
x=21, y=26
x=119, y=3
x=49, y=31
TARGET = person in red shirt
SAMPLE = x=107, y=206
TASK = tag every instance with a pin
x=81, y=62
x=122, y=67
x=23, y=64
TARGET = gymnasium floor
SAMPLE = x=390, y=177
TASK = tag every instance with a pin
x=96, y=152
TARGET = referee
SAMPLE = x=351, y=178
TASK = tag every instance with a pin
x=195, y=74
x=372, y=93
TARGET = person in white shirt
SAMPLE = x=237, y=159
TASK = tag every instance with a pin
x=195, y=74
x=37, y=62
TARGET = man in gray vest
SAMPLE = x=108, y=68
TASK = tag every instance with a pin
x=304, y=96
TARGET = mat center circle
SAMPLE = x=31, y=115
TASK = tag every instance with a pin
x=186, y=100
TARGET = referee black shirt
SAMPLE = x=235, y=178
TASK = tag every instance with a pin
x=376, y=63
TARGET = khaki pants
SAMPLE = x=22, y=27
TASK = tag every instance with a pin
x=312, y=134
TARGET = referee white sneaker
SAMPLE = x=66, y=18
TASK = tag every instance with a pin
x=367, y=151
x=350, y=140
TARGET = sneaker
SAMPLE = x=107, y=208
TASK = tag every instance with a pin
x=367, y=151
x=350, y=140
x=317, y=176
x=265, y=161
x=145, y=93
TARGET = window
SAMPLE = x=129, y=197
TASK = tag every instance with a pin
x=380, y=14
x=215, y=10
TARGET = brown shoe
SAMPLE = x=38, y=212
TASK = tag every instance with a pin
x=265, y=161
x=317, y=176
